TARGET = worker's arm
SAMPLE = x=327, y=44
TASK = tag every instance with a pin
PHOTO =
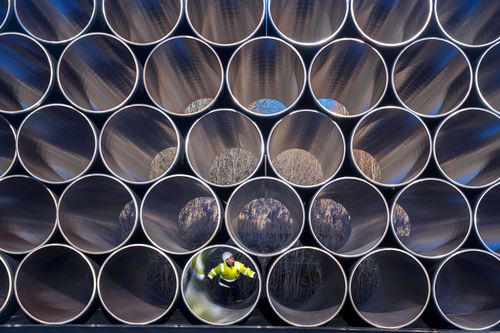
x=246, y=271
x=215, y=271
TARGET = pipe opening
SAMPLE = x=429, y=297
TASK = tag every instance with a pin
x=487, y=76
x=486, y=218
x=348, y=77
x=8, y=146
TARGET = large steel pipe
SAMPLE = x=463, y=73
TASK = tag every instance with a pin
x=431, y=218
x=224, y=148
x=306, y=287
x=467, y=148
x=8, y=146
x=266, y=76
x=139, y=144
x=97, y=214
x=265, y=216
x=180, y=214
x=5, y=12
x=390, y=146
x=53, y=21
x=138, y=284
x=348, y=78
x=142, y=22
x=306, y=148
x=8, y=304
x=57, y=144
x=470, y=23
x=486, y=215
x=98, y=72
x=183, y=76
x=349, y=217
x=28, y=214
x=487, y=74
x=389, y=288
x=466, y=290
x=26, y=73
x=308, y=22
x=432, y=77
x=206, y=299
x=391, y=23
x=223, y=22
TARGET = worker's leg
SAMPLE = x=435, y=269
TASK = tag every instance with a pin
x=225, y=291
x=236, y=291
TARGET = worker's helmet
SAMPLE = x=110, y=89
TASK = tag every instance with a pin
x=226, y=255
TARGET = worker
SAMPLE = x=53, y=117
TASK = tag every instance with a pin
x=229, y=271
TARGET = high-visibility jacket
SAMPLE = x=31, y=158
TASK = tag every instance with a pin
x=230, y=273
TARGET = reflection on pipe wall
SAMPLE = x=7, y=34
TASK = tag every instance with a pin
x=486, y=217
x=7, y=146
x=488, y=77
x=8, y=304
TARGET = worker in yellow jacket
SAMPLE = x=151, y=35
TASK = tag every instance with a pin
x=229, y=271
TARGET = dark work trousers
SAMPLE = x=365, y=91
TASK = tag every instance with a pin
x=230, y=288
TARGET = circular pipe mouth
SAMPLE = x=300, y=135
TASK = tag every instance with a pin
x=390, y=146
x=389, y=288
x=26, y=72
x=486, y=218
x=224, y=148
x=141, y=22
x=306, y=148
x=432, y=77
x=55, y=284
x=8, y=149
x=348, y=78
x=206, y=299
x=139, y=144
x=265, y=216
x=266, y=76
x=55, y=22
x=487, y=74
x=469, y=23
x=97, y=214
x=225, y=23
x=183, y=76
x=431, y=218
x=306, y=22
x=465, y=290
x=467, y=148
x=180, y=214
x=349, y=217
x=97, y=72
x=138, y=284
x=28, y=211
x=391, y=23
x=306, y=287
x=56, y=144
x=6, y=285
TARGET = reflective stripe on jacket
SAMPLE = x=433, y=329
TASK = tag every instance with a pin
x=230, y=273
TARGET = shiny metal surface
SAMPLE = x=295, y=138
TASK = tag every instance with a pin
x=466, y=290
x=432, y=77
x=486, y=215
x=56, y=143
x=8, y=304
x=8, y=146
x=438, y=218
x=348, y=72
x=98, y=72
x=467, y=148
x=55, y=21
x=182, y=71
x=133, y=284
x=143, y=22
x=327, y=298
x=488, y=77
x=97, y=214
x=55, y=284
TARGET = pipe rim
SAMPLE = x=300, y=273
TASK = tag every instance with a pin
x=200, y=181
x=10, y=289
x=475, y=222
x=476, y=77
x=7, y=14
x=15, y=157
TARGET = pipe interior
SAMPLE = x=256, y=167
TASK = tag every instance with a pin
x=97, y=72
x=142, y=22
x=467, y=147
x=487, y=214
x=8, y=146
x=348, y=77
x=225, y=22
x=183, y=75
x=432, y=77
x=4, y=11
x=488, y=81
x=266, y=76
x=139, y=144
x=138, y=284
x=55, y=20
x=55, y=284
x=467, y=290
x=5, y=284
x=180, y=214
x=97, y=214
x=25, y=73
x=57, y=143
x=27, y=214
